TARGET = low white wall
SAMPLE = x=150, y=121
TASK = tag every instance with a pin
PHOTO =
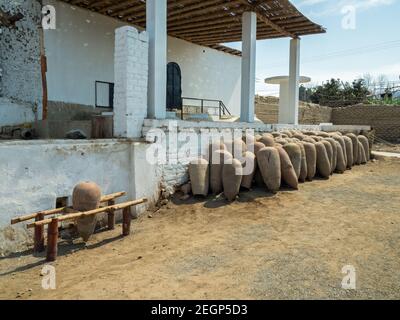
x=81, y=50
x=12, y=113
x=33, y=174
x=184, y=141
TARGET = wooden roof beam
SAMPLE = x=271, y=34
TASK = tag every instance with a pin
x=231, y=26
x=261, y=16
x=204, y=25
x=236, y=36
x=177, y=27
x=206, y=10
x=233, y=37
x=195, y=6
x=116, y=6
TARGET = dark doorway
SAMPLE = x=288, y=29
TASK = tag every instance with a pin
x=174, y=86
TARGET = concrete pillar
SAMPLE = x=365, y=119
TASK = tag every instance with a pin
x=156, y=25
x=130, y=74
x=249, y=39
x=294, y=82
x=284, y=112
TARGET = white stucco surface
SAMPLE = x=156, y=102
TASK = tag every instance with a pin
x=20, y=68
x=248, y=82
x=12, y=113
x=81, y=51
x=207, y=73
x=156, y=28
x=131, y=75
x=33, y=174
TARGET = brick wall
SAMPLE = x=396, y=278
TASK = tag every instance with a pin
x=314, y=114
x=131, y=78
x=267, y=110
x=384, y=119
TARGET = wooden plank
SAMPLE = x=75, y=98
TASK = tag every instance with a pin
x=90, y=213
x=34, y=215
x=106, y=198
x=113, y=196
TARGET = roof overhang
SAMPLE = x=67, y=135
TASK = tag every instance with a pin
x=212, y=22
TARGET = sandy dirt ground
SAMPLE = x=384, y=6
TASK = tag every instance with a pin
x=289, y=246
x=395, y=148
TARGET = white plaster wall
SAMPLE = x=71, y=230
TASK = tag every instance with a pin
x=34, y=174
x=207, y=73
x=12, y=113
x=20, y=69
x=131, y=75
x=81, y=51
x=146, y=176
x=181, y=151
x=183, y=142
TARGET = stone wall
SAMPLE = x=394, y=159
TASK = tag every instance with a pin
x=267, y=110
x=314, y=114
x=182, y=141
x=384, y=119
x=20, y=76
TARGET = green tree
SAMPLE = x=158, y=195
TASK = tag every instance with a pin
x=335, y=93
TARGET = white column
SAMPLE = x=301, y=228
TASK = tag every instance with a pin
x=294, y=79
x=130, y=74
x=284, y=112
x=249, y=39
x=156, y=25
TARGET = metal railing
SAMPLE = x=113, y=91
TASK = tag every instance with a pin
x=204, y=106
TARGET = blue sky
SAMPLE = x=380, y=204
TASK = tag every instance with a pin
x=373, y=46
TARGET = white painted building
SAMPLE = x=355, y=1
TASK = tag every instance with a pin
x=111, y=45
x=81, y=51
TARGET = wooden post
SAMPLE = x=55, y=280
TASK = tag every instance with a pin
x=39, y=235
x=52, y=239
x=111, y=216
x=43, y=63
x=126, y=224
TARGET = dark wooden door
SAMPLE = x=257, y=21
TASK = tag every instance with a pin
x=174, y=86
